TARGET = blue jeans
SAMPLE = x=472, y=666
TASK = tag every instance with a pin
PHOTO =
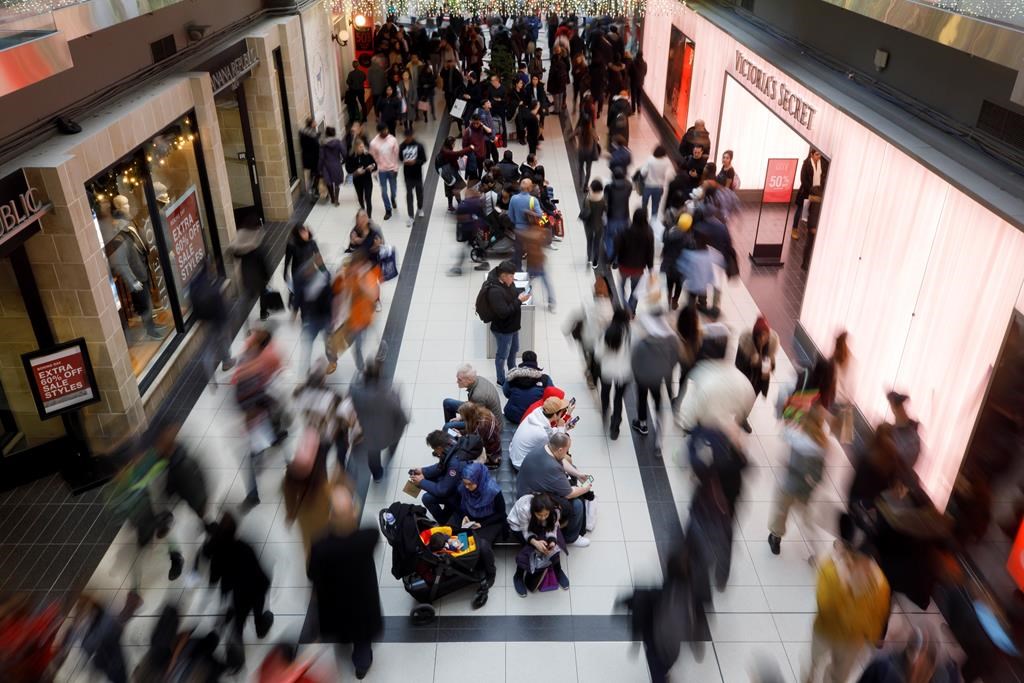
x=505, y=355
x=312, y=326
x=388, y=179
x=547, y=284
x=450, y=407
x=575, y=524
x=654, y=194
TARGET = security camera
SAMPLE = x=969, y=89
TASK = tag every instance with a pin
x=195, y=32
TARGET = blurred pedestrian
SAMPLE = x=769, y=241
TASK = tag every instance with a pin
x=717, y=392
x=593, y=216
x=634, y=249
x=381, y=416
x=853, y=609
x=808, y=444
x=656, y=352
x=612, y=355
x=209, y=306
x=344, y=577
x=309, y=145
x=254, y=270
x=330, y=163
x=755, y=355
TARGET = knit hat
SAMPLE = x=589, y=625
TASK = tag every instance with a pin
x=761, y=326
x=554, y=404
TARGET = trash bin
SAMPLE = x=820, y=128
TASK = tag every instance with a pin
x=526, y=329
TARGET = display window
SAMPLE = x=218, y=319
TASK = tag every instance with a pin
x=150, y=212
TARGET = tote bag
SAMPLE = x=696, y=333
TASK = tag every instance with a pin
x=458, y=108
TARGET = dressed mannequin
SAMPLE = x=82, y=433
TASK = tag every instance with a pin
x=128, y=254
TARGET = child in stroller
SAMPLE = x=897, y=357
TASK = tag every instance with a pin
x=425, y=558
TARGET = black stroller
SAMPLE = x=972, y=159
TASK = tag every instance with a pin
x=427, y=576
x=492, y=239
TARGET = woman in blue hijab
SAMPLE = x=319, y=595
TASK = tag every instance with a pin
x=483, y=512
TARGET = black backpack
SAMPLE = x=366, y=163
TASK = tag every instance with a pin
x=483, y=303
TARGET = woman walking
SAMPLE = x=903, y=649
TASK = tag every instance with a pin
x=588, y=149
x=613, y=358
x=635, y=251
x=331, y=156
x=361, y=166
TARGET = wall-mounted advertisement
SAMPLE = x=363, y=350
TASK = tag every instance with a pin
x=677, y=81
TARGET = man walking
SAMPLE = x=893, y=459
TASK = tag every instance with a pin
x=413, y=157
x=384, y=150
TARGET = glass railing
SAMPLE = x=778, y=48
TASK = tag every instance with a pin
x=1006, y=12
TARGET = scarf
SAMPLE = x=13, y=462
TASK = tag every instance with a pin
x=478, y=503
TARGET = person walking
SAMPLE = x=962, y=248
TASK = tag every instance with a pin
x=381, y=416
x=637, y=76
x=343, y=572
x=426, y=86
x=588, y=149
x=384, y=149
x=253, y=268
x=312, y=285
x=309, y=146
x=619, y=111
x=357, y=290
x=755, y=355
x=500, y=305
x=634, y=249
x=616, y=196
x=377, y=75
x=675, y=239
x=355, y=93
x=808, y=444
x=535, y=239
x=300, y=248
x=447, y=165
x=331, y=156
x=655, y=355
x=361, y=166
x=612, y=355
x=853, y=609
x=593, y=216
x=657, y=172
x=558, y=79
x=413, y=156
x=210, y=307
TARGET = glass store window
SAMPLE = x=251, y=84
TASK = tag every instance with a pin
x=150, y=212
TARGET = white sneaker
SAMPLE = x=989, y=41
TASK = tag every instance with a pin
x=581, y=542
x=419, y=214
x=408, y=223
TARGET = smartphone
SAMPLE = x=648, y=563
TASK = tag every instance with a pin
x=572, y=403
x=572, y=422
x=590, y=478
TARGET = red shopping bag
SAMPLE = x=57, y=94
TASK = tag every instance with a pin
x=499, y=140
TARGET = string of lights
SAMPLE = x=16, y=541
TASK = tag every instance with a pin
x=425, y=8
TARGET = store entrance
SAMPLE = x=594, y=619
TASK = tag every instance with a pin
x=764, y=148
x=236, y=137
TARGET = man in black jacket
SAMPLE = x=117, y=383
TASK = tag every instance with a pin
x=505, y=305
x=355, y=89
x=693, y=168
x=616, y=196
x=440, y=481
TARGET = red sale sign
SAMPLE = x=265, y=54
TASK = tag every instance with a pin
x=188, y=249
x=61, y=378
x=778, y=181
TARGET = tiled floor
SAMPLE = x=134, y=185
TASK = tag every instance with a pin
x=764, y=615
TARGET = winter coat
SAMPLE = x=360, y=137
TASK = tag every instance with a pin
x=654, y=359
x=616, y=196
x=344, y=576
x=253, y=264
x=616, y=364
x=309, y=143
x=558, y=76
x=234, y=565
x=331, y=153
x=618, y=79
x=296, y=253
x=846, y=617
x=674, y=241
x=806, y=464
x=380, y=414
x=523, y=385
x=635, y=250
x=504, y=304
x=592, y=215
x=717, y=391
x=748, y=360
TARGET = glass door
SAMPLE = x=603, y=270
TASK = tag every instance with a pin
x=236, y=137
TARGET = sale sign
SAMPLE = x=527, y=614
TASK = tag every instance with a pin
x=61, y=378
x=778, y=181
x=188, y=248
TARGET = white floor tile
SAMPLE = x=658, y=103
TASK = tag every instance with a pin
x=532, y=662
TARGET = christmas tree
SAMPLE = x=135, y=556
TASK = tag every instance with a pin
x=502, y=62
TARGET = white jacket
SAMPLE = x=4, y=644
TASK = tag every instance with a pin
x=532, y=432
x=716, y=393
x=658, y=172
x=519, y=515
x=616, y=365
x=596, y=316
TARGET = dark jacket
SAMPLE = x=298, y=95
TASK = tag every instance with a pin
x=234, y=565
x=297, y=252
x=524, y=385
x=309, y=143
x=654, y=358
x=691, y=138
x=356, y=80
x=344, y=577
x=254, y=269
x=558, y=76
x=186, y=481
x=635, y=250
x=331, y=153
x=673, y=243
x=390, y=108
x=380, y=414
x=452, y=83
x=618, y=78
x=505, y=305
x=442, y=480
x=807, y=178
x=616, y=196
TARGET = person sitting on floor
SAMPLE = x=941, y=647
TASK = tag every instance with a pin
x=483, y=510
x=536, y=405
x=476, y=419
x=535, y=430
x=544, y=545
x=524, y=385
x=478, y=389
x=543, y=472
x=439, y=482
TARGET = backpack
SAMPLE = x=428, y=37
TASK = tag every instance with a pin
x=207, y=302
x=468, y=448
x=483, y=303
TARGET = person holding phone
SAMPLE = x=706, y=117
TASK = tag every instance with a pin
x=544, y=544
x=755, y=355
x=544, y=471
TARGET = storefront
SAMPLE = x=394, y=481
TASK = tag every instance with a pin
x=927, y=302
x=136, y=205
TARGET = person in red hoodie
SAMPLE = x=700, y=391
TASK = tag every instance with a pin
x=548, y=393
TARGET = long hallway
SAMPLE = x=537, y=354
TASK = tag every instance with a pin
x=764, y=614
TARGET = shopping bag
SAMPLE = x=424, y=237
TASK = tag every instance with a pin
x=272, y=300
x=458, y=109
x=549, y=582
x=388, y=263
x=499, y=140
x=339, y=340
x=423, y=105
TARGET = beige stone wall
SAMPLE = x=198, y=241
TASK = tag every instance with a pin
x=213, y=153
x=263, y=99
x=294, y=62
x=68, y=260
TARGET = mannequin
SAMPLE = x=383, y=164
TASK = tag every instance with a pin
x=129, y=257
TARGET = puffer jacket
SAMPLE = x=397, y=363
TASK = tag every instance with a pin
x=523, y=385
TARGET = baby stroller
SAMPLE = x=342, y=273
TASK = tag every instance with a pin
x=492, y=238
x=426, y=575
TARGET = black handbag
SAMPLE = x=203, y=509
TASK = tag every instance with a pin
x=271, y=300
